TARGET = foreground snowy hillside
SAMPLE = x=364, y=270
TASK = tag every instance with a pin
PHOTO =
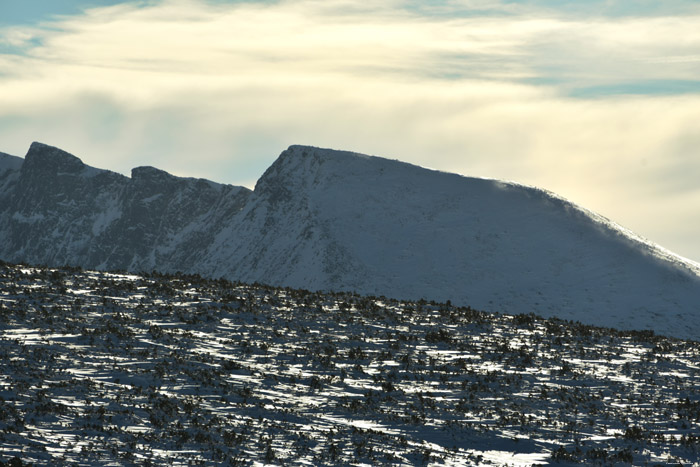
x=331, y=220
x=116, y=369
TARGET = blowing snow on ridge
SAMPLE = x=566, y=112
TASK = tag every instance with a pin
x=322, y=219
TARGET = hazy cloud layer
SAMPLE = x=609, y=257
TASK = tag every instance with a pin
x=599, y=104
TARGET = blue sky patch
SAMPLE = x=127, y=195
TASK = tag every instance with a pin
x=614, y=8
x=34, y=11
x=663, y=87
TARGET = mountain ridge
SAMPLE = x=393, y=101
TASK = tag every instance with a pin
x=323, y=219
x=531, y=191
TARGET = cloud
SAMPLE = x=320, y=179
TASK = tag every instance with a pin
x=499, y=89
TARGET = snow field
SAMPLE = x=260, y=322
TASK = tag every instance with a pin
x=106, y=369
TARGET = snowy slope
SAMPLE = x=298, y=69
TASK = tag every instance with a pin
x=332, y=220
x=106, y=369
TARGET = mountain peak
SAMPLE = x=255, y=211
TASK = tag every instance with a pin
x=148, y=173
x=301, y=151
x=51, y=159
x=300, y=164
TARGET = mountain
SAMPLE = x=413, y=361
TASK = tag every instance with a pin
x=321, y=219
x=57, y=210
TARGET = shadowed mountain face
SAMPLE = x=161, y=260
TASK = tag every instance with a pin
x=332, y=220
x=57, y=210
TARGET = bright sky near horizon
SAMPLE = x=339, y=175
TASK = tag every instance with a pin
x=598, y=101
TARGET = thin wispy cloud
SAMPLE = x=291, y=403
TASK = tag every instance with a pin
x=597, y=103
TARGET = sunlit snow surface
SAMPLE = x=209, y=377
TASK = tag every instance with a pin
x=110, y=369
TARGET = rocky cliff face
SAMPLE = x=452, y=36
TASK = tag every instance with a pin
x=333, y=220
x=57, y=210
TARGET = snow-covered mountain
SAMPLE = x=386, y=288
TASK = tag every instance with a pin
x=332, y=220
x=57, y=210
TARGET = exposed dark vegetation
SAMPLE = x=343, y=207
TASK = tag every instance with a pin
x=102, y=368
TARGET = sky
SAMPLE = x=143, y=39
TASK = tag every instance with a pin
x=598, y=100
